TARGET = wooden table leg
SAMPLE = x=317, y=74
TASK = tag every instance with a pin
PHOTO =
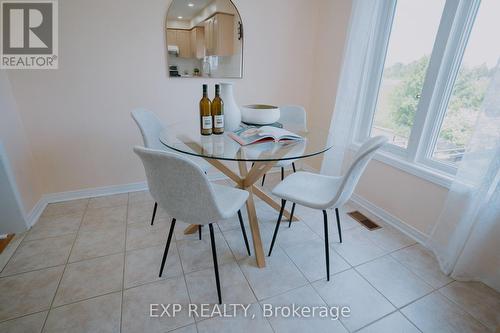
x=252, y=220
x=246, y=181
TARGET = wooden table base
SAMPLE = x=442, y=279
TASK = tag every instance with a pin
x=246, y=181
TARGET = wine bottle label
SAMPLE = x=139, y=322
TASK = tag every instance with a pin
x=219, y=121
x=206, y=122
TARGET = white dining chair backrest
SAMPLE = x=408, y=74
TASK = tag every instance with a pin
x=351, y=177
x=179, y=186
x=293, y=117
x=150, y=127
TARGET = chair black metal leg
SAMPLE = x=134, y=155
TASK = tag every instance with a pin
x=244, y=231
x=338, y=223
x=172, y=225
x=263, y=180
x=199, y=231
x=327, y=249
x=283, y=202
x=291, y=215
x=216, y=267
x=282, y=173
x=154, y=213
x=293, y=166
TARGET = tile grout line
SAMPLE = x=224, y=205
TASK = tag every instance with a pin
x=23, y=240
x=23, y=316
x=244, y=276
x=65, y=266
x=83, y=299
x=183, y=272
x=354, y=268
x=385, y=316
x=237, y=263
x=459, y=305
x=124, y=261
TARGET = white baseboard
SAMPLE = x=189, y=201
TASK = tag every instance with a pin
x=46, y=199
x=371, y=209
x=33, y=216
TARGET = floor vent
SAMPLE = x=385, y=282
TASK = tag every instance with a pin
x=365, y=221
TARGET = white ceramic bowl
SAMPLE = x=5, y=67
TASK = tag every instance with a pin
x=260, y=114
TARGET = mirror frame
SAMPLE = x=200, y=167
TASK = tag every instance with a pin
x=165, y=49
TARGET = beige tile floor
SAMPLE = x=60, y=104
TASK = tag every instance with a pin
x=91, y=265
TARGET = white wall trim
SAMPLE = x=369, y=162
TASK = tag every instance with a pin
x=371, y=209
x=32, y=217
x=49, y=198
x=46, y=199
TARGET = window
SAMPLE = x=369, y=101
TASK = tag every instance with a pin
x=406, y=62
x=428, y=66
x=480, y=58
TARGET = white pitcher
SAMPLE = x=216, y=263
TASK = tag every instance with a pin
x=232, y=113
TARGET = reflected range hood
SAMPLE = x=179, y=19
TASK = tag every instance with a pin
x=173, y=49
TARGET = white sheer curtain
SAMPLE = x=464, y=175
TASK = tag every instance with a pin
x=466, y=239
x=364, y=17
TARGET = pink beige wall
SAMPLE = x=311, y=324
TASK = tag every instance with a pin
x=332, y=24
x=14, y=139
x=112, y=59
x=416, y=202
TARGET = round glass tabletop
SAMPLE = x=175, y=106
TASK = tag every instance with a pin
x=186, y=138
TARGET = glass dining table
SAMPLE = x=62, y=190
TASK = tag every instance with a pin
x=185, y=138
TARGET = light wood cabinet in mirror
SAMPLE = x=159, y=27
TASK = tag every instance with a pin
x=204, y=38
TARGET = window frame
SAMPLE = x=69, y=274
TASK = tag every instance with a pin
x=445, y=61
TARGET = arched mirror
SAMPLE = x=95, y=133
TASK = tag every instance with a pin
x=204, y=39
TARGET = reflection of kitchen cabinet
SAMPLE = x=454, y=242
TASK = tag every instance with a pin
x=181, y=38
x=219, y=35
x=184, y=43
x=198, y=42
x=171, y=37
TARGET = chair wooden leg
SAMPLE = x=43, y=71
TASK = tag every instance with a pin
x=244, y=231
x=291, y=215
x=293, y=166
x=172, y=225
x=282, y=173
x=327, y=249
x=216, y=267
x=283, y=203
x=154, y=213
x=338, y=223
x=263, y=180
x=199, y=231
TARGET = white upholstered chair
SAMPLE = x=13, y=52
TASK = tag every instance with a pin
x=293, y=117
x=324, y=192
x=182, y=189
x=151, y=128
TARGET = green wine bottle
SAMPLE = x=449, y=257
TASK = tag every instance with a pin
x=205, y=113
x=218, y=112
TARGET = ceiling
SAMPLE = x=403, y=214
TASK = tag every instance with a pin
x=181, y=8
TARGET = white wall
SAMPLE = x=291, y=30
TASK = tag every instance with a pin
x=13, y=138
x=112, y=59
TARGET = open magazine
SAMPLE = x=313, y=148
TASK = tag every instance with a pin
x=248, y=135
